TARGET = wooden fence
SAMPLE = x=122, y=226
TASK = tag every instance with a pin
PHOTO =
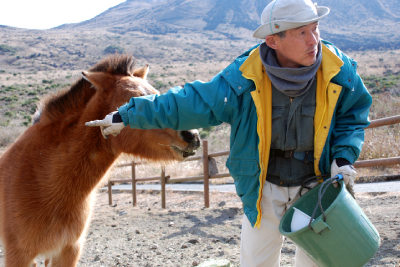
x=206, y=174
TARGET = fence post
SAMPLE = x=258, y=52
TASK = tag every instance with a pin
x=163, y=193
x=134, y=199
x=206, y=174
x=109, y=193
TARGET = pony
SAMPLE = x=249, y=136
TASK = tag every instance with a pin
x=49, y=176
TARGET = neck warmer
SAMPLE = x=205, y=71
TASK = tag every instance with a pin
x=292, y=82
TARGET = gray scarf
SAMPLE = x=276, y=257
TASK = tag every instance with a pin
x=292, y=82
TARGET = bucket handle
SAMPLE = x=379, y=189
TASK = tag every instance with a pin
x=324, y=186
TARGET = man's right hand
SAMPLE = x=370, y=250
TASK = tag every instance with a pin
x=111, y=124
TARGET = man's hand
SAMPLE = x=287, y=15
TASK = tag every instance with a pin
x=111, y=124
x=348, y=172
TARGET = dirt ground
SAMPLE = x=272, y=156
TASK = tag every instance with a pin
x=187, y=234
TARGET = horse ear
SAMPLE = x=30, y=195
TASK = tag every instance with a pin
x=142, y=72
x=97, y=79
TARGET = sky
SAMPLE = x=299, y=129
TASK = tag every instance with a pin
x=46, y=14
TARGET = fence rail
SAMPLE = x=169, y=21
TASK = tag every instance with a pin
x=206, y=173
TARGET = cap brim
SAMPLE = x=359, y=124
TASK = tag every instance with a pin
x=284, y=25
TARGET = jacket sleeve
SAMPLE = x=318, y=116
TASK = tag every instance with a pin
x=196, y=105
x=351, y=119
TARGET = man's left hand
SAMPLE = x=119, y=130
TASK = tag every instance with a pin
x=348, y=172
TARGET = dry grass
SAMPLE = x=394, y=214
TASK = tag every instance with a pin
x=376, y=62
x=48, y=61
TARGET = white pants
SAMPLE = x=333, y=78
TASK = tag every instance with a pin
x=262, y=247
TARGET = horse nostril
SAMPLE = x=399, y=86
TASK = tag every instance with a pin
x=187, y=136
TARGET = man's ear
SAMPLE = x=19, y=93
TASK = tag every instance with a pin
x=270, y=40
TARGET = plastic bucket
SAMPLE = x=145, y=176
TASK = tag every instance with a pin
x=346, y=238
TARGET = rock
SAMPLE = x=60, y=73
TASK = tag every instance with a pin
x=222, y=203
x=122, y=213
x=194, y=241
x=113, y=225
x=137, y=232
x=195, y=263
x=154, y=247
x=184, y=246
x=216, y=263
x=170, y=224
x=97, y=258
x=212, y=166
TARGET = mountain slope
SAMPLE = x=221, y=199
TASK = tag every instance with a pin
x=351, y=25
x=354, y=24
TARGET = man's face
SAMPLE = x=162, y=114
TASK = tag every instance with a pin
x=299, y=47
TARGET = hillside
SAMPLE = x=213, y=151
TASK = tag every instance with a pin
x=35, y=63
x=352, y=24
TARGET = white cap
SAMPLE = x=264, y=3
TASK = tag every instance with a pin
x=282, y=15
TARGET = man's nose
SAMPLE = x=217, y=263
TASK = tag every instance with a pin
x=313, y=38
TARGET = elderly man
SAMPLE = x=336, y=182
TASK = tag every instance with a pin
x=297, y=109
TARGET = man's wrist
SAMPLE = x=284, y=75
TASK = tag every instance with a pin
x=117, y=118
x=342, y=162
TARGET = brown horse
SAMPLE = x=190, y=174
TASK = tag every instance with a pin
x=49, y=176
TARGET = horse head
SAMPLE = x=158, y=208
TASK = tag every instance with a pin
x=113, y=90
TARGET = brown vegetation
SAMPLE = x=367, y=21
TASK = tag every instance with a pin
x=36, y=63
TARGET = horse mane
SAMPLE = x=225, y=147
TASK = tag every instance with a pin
x=76, y=97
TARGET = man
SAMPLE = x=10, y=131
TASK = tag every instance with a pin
x=296, y=106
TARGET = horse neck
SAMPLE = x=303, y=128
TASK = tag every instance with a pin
x=81, y=155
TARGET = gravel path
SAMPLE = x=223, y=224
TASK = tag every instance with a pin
x=186, y=234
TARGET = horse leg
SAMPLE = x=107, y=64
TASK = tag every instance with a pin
x=68, y=257
x=18, y=259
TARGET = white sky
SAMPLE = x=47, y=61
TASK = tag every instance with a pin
x=45, y=14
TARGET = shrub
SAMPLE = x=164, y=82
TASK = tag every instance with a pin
x=9, y=114
x=113, y=49
x=30, y=101
x=11, y=88
x=5, y=48
x=12, y=98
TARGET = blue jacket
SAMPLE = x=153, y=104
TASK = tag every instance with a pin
x=240, y=95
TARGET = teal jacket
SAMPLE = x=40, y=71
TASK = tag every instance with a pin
x=240, y=95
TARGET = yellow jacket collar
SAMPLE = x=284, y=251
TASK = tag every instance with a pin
x=253, y=68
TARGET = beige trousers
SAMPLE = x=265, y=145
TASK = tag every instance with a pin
x=262, y=247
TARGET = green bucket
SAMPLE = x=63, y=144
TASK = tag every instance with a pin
x=346, y=237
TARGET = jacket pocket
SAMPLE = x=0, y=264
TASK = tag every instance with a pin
x=308, y=110
x=305, y=128
x=245, y=174
x=278, y=127
x=241, y=167
x=277, y=112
